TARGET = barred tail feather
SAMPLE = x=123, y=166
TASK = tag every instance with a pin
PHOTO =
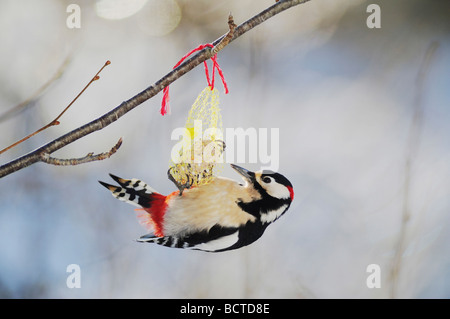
x=151, y=204
x=168, y=241
x=132, y=191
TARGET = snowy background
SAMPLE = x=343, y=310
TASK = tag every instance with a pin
x=364, y=139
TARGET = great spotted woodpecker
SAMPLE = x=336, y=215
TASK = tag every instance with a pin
x=215, y=217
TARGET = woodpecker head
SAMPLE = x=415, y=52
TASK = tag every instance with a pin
x=273, y=194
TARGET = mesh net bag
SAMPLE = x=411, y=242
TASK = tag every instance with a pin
x=200, y=157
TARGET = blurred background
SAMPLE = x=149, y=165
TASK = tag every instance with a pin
x=364, y=138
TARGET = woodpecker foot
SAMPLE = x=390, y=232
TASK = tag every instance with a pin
x=180, y=186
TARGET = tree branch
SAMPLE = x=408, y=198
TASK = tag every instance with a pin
x=227, y=38
x=46, y=158
x=56, y=120
x=126, y=106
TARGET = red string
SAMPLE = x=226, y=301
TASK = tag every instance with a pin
x=165, y=107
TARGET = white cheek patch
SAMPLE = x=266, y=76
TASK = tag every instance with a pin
x=220, y=243
x=272, y=215
x=277, y=190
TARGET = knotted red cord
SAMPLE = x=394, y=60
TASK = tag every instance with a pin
x=165, y=107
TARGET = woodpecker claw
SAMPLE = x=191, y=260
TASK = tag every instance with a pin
x=181, y=187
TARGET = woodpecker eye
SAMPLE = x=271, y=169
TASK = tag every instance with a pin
x=267, y=180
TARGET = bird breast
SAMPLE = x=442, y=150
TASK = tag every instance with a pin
x=200, y=208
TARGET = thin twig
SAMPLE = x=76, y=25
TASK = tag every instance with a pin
x=56, y=120
x=113, y=115
x=95, y=78
x=46, y=158
x=227, y=38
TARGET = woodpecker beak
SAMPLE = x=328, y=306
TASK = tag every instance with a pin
x=246, y=174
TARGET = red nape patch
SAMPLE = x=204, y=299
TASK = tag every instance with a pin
x=291, y=191
x=153, y=218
